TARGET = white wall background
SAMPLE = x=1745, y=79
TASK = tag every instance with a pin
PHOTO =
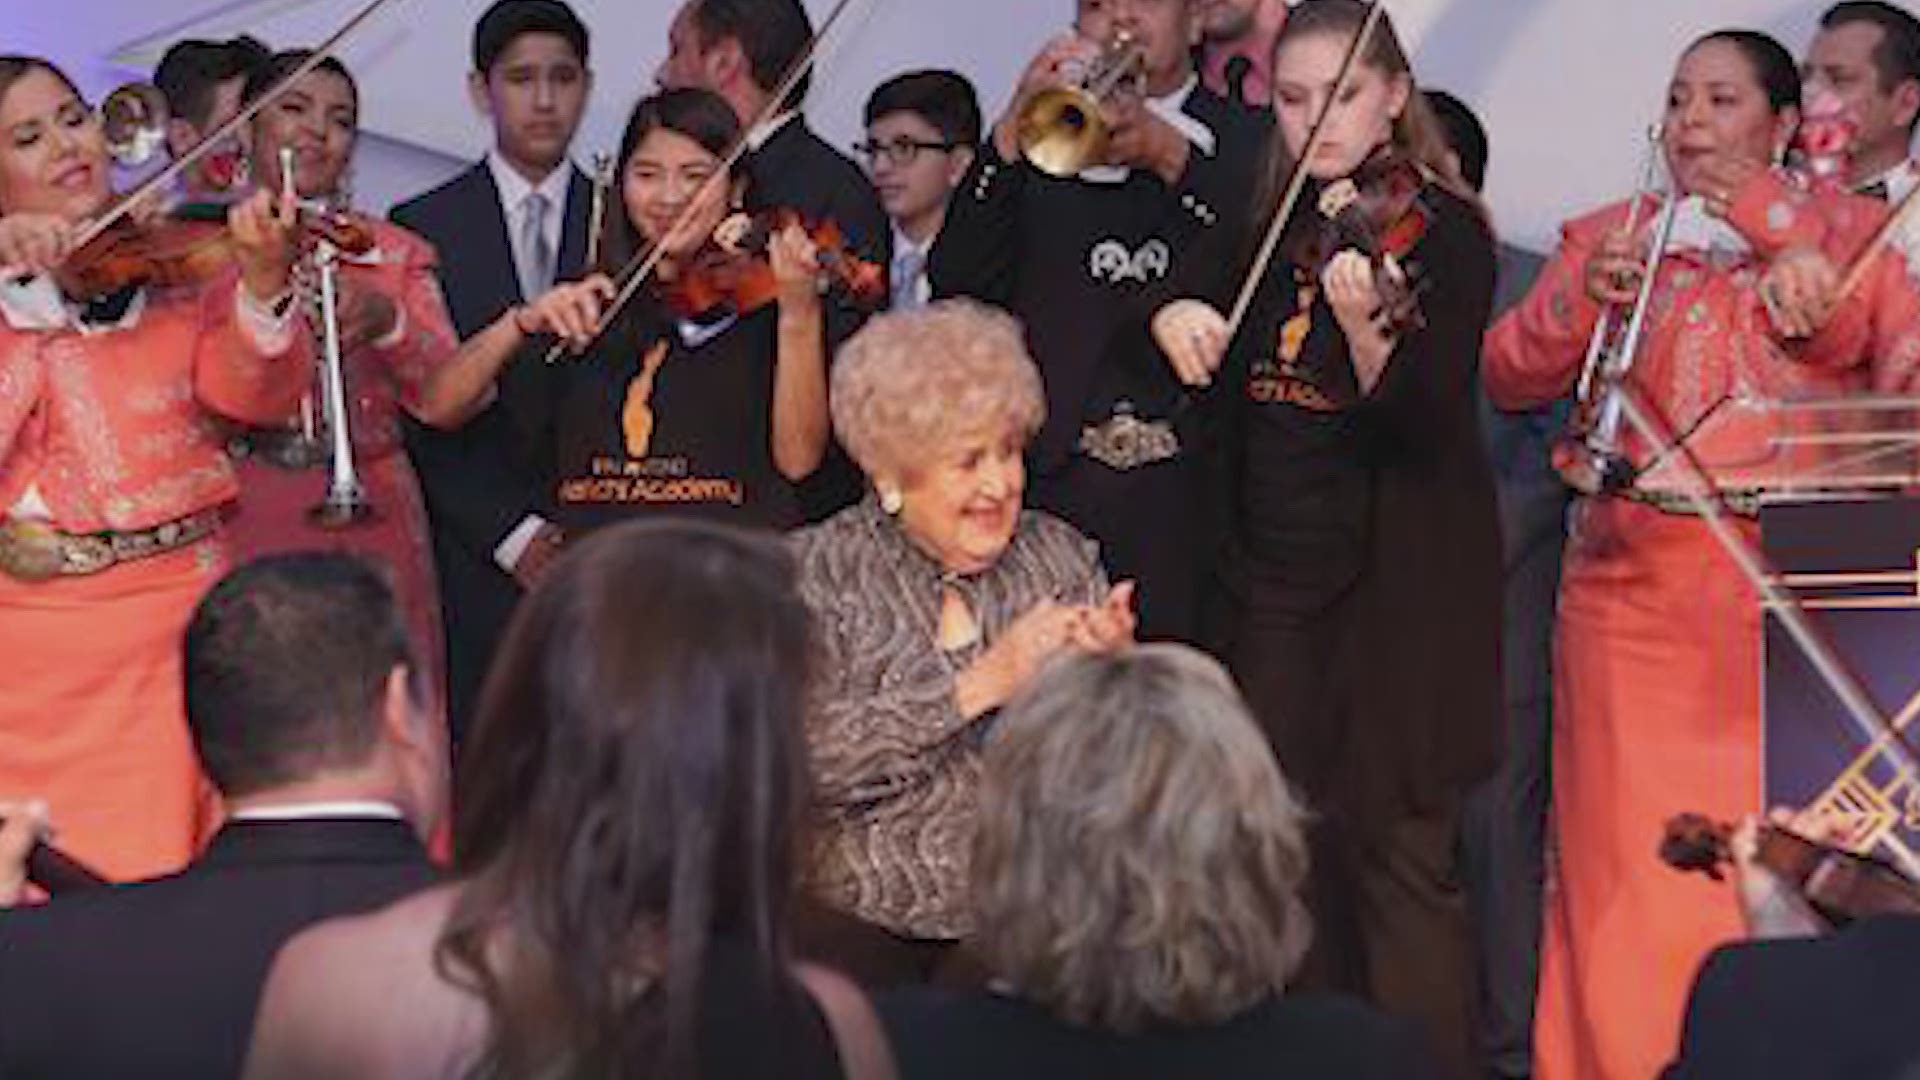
x=1565, y=86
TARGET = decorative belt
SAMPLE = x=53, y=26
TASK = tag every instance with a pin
x=283, y=449
x=1744, y=503
x=33, y=550
x=1123, y=441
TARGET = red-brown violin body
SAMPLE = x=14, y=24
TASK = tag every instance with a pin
x=741, y=279
x=1378, y=211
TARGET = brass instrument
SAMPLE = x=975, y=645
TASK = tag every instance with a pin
x=133, y=120
x=1596, y=463
x=1064, y=129
x=345, y=502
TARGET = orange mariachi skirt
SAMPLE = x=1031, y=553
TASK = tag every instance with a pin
x=92, y=717
x=271, y=518
x=1656, y=712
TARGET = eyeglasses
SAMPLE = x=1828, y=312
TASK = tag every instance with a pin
x=900, y=152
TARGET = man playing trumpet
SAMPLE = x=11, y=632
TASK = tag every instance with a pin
x=1122, y=192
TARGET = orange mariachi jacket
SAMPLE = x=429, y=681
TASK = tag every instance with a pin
x=114, y=427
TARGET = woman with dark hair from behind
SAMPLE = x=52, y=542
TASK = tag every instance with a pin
x=625, y=833
x=1136, y=884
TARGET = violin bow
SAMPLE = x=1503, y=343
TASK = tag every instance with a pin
x=1297, y=176
x=321, y=53
x=641, y=267
x=1863, y=260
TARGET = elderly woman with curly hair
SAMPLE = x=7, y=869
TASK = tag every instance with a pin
x=937, y=599
x=1137, y=875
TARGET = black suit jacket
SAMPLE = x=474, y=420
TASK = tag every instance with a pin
x=1841, y=1007
x=798, y=170
x=478, y=486
x=161, y=978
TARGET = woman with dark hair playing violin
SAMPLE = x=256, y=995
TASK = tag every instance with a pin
x=1361, y=607
x=707, y=395
x=112, y=480
x=394, y=330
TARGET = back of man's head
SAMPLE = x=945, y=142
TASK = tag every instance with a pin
x=508, y=20
x=1464, y=134
x=287, y=669
x=772, y=34
x=191, y=71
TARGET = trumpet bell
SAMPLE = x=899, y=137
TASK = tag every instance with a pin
x=133, y=120
x=1063, y=131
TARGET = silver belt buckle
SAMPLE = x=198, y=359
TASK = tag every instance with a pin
x=1124, y=442
x=30, y=550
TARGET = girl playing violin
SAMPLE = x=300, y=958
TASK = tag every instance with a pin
x=112, y=483
x=1657, y=659
x=1362, y=576
x=695, y=400
x=394, y=330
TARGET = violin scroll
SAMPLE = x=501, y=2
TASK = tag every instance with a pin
x=1841, y=885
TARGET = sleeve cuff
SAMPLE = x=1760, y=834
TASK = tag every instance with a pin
x=507, y=553
x=268, y=324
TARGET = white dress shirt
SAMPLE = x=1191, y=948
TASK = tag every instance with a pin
x=514, y=189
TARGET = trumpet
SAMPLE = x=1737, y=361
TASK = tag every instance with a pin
x=1594, y=462
x=345, y=502
x=133, y=121
x=1064, y=129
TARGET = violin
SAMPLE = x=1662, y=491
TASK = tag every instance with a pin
x=186, y=247
x=1841, y=885
x=1378, y=212
x=739, y=278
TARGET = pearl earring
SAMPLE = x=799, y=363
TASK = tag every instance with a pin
x=890, y=499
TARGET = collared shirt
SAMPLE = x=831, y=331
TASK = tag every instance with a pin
x=308, y=811
x=1893, y=184
x=909, y=254
x=514, y=190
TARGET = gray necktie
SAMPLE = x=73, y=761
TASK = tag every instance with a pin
x=536, y=254
x=908, y=264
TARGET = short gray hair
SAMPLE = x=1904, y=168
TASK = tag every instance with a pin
x=911, y=382
x=1139, y=856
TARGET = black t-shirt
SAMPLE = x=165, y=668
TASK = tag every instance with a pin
x=669, y=416
x=938, y=1034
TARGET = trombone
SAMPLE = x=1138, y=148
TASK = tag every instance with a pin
x=1597, y=463
x=1064, y=129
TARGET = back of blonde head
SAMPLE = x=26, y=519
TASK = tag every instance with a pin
x=1139, y=857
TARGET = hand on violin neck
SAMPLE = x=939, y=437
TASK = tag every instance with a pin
x=795, y=259
x=33, y=244
x=263, y=228
x=1769, y=905
x=1357, y=303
